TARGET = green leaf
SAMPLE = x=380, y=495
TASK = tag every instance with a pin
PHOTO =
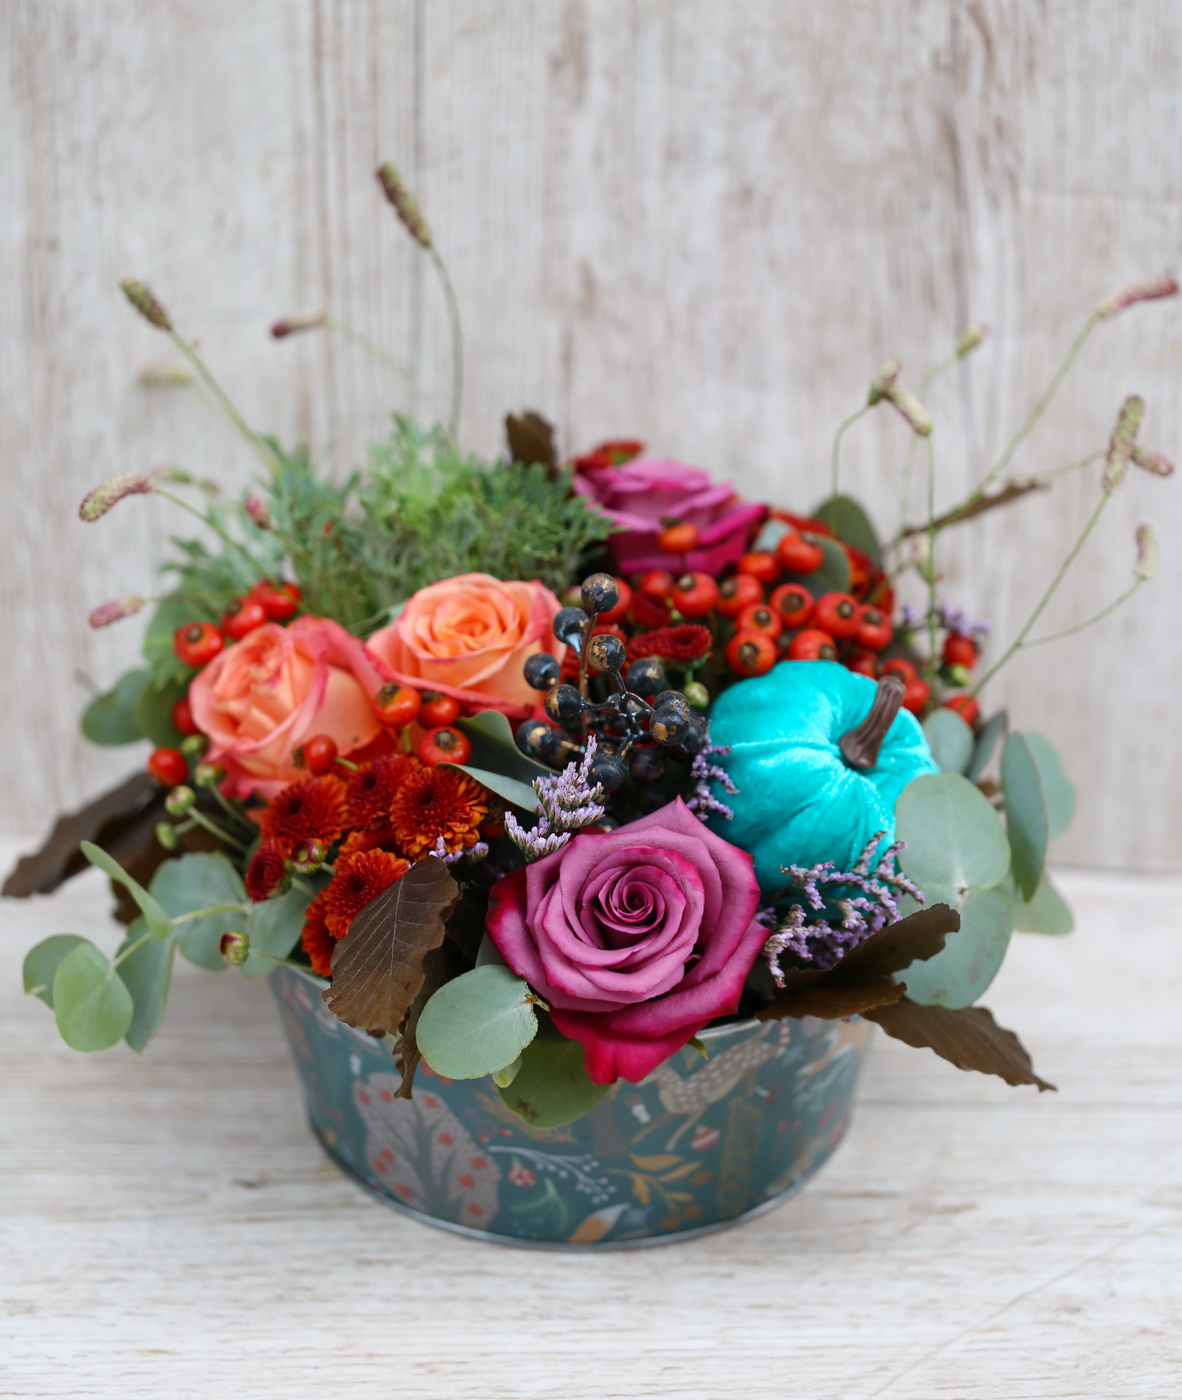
x=971, y=957
x=846, y=518
x=41, y=962
x=202, y=880
x=153, y=712
x=172, y=612
x=1046, y=912
x=513, y=790
x=111, y=718
x=955, y=840
x=495, y=750
x=146, y=974
x=502, y=1078
x=950, y=740
x=158, y=921
x=834, y=574
x=91, y=1004
x=1026, y=813
x=552, y=1086
x=274, y=927
x=991, y=731
x=1058, y=789
x=477, y=1024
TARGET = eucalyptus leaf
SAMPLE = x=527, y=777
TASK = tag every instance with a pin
x=153, y=712
x=41, y=962
x=846, y=518
x=971, y=957
x=1046, y=912
x=1027, y=823
x=274, y=927
x=201, y=880
x=950, y=740
x=91, y=1004
x=477, y=1024
x=1058, y=789
x=991, y=731
x=513, y=790
x=552, y=1086
x=110, y=719
x=955, y=840
x=147, y=974
x=159, y=922
x=502, y=1078
x=834, y=574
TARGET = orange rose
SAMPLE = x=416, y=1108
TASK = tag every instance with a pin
x=262, y=697
x=468, y=637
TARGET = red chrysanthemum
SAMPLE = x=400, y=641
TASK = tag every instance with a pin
x=609, y=454
x=648, y=611
x=682, y=645
x=361, y=880
x=267, y=871
x=310, y=810
x=317, y=941
x=370, y=791
x=438, y=802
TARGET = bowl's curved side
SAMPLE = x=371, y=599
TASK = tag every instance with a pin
x=699, y=1144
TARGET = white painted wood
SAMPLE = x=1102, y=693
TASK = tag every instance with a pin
x=170, y=1226
x=704, y=224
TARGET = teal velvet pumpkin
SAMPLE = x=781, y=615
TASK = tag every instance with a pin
x=799, y=803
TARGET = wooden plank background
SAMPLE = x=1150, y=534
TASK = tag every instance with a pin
x=702, y=224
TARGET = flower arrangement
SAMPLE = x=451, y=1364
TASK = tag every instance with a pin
x=541, y=768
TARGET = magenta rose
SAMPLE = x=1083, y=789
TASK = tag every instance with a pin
x=644, y=495
x=636, y=938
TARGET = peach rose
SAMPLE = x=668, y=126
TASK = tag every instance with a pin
x=262, y=697
x=468, y=637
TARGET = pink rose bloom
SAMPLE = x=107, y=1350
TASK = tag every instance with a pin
x=262, y=697
x=468, y=637
x=637, y=938
x=641, y=496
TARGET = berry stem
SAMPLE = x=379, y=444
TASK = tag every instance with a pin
x=931, y=565
x=1020, y=640
x=212, y=524
x=266, y=453
x=457, y=339
x=371, y=348
x=214, y=830
x=1088, y=622
x=924, y=385
x=835, y=461
x=213, y=909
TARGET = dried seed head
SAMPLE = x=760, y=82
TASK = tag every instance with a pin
x=164, y=376
x=918, y=418
x=972, y=335
x=1120, y=445
x=115, y=610
x=1150, y=461
x=110, y=492
x=406, y=206
x=883, y=381
x=256, y=510
x=1147, y=555
x=144, y=300
x=293, y=325
x=1153, y=290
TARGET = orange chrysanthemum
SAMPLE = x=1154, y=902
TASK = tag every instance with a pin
x=438, y=802
x=310, y=810
x=370, y=791
x=362, y=880
x=358, y=842
x=317, y=941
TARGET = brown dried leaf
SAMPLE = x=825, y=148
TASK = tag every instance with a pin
x=121, y=821
x=378, y=967
x=863, y=978
x=968, y=1038
x=1013, y=492
x=531, y=439
x=440, y=966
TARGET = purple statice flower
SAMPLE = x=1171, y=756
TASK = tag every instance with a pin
x=957, y=619
x=703, y=771
x=440, y=851
x=568, y=801
x=846, y=919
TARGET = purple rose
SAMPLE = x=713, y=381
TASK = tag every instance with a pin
x=637, y=938
x=644, y=495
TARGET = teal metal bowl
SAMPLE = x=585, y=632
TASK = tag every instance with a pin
x=700, y=1144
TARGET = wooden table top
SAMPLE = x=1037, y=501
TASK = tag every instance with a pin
x=171, y=1229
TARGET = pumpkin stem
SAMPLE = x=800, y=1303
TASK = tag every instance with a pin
x=860, y=746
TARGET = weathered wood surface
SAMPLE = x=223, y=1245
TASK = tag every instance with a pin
x=171, y=1228
x=703, y=224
